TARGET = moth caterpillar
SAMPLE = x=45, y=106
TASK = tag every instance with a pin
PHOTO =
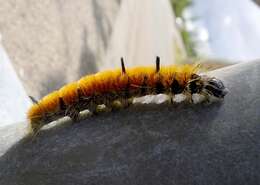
x=121, y=85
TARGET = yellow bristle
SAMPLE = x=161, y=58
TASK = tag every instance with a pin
x=50, y=103
x=104, y=81
x=69, y=93
x=35, y=112
x=86, y=85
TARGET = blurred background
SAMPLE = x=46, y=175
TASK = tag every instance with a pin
x=48, y=43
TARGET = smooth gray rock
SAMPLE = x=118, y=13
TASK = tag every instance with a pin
x=154, y=144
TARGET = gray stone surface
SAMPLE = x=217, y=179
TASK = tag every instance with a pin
x=10, y=87
x=53, y=42
x=154, y=144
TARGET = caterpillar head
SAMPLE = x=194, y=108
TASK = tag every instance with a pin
x=207, y=85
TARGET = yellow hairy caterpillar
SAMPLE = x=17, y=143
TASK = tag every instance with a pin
x=121, y=85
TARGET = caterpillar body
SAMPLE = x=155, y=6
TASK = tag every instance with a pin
x=121, y=85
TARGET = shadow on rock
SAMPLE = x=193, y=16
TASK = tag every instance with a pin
x=155, y=144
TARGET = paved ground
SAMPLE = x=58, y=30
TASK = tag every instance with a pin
x=52, y=42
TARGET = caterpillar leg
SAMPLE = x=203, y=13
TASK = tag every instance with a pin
x=92, y=107
x=73, y=112
x=126, y=102
x=114, y=105
x=171, y=98
x=35, y=128
x=89, y=104
x=111, y=103
x=117, y=105
x=190, y=99
x=207, y=96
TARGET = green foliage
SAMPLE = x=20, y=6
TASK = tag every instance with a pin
x=189, y=43
x=178, y=7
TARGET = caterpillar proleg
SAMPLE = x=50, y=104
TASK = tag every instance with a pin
x=121, y=85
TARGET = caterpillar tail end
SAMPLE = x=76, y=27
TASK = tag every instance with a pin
x=34, y=128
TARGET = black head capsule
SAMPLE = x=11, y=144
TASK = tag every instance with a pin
x=208, y=85
x=215, y=87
